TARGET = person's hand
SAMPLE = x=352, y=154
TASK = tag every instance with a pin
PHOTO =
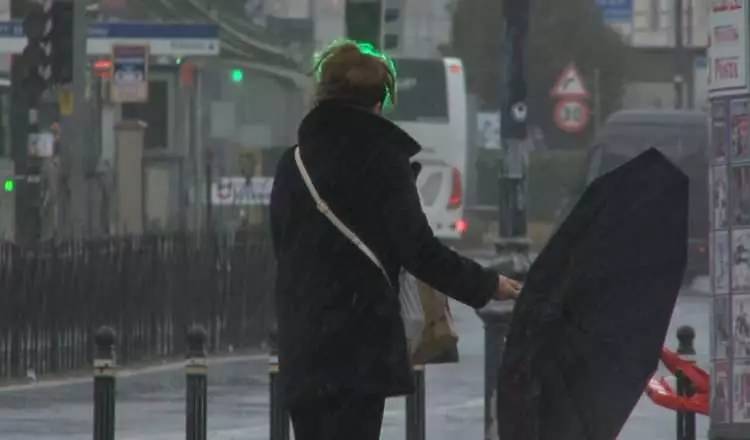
x=507, y=288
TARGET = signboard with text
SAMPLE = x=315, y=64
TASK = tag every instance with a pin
x=728, y=47
x=129, y=74
x=239, y=191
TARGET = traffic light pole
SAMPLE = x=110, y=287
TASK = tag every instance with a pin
x=514, y=161
x=24, y=118
x=74, y=128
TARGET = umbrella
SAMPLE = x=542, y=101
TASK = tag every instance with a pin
x=588, y=328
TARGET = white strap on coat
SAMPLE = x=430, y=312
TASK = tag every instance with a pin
x=326, y=211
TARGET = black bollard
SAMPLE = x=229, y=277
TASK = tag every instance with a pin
x=104, y=384
x=196, y=373
x=415, y=408
x=496, y=317
x=279, y=415
x=686, y=350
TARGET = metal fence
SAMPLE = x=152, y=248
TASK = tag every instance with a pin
x=151, y=289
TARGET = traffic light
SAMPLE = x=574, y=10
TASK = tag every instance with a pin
x=61, y=38
x=238, y=75
x=36, y=56
x=9, y=185
x=514, y=110
x=362, y=22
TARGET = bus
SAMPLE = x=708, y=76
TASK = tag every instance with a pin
x=431, y=106
x=682, y=136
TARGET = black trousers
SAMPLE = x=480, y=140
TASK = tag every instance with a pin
x=339, y=418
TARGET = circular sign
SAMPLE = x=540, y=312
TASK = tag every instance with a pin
x=572, y=115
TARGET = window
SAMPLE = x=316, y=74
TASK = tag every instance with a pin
x=155, y=113
x=422, y=94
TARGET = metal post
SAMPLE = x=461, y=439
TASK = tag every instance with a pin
x=196, y=396
x=496, y=317
x=279, y=415
x=209, y=159
x=686, y=350
x=513, y=165
x=78, y=149
x=416, y=428
x=679, y=54
x=104, y=384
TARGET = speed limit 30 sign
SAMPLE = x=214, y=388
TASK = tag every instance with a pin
x=572, y=115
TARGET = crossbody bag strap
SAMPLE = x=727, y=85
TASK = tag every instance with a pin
x=326, y=211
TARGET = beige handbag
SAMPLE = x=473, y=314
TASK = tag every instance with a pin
x=439, y=344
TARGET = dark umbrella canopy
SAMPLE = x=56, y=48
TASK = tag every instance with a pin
x=589, y=326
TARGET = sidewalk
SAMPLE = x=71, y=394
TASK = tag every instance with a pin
x=150, y=404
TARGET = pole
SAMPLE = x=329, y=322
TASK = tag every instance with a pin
x=22, y=108
x=104, y=384
x=496, y=318
x=597, y=100
x=512, y=182
x=80, y=146
x=196, y=376
x=209, y=181
x=686, y=350
x=415, y=408
x=679, y=54
x=279, y=416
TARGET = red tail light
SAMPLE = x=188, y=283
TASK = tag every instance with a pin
x=462, y=226
x=457, y=191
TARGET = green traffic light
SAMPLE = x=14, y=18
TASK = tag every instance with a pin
x=238, y=75
x=9, y=185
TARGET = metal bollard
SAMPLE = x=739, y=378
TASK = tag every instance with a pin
x=196, y=374
x=279, y=415
x=104, y=384
x=415, y=408
x=686, y=350
x=496, y=317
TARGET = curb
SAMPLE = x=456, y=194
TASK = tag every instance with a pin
x=132, y=372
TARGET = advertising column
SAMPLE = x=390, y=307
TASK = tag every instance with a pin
x=729, y=152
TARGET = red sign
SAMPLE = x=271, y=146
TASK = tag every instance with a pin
x=572, y=115
x=727, y=69
x=569, y=84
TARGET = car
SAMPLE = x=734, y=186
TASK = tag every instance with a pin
x=682, y=136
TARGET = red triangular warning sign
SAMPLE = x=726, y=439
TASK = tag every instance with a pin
x=569, y=84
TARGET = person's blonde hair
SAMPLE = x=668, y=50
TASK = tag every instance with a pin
x=355, y=72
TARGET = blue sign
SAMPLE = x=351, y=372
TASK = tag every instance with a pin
x=616, y=11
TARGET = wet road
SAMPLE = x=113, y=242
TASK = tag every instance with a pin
x=151, y=405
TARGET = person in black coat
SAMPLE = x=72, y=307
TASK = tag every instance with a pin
x=341, y=343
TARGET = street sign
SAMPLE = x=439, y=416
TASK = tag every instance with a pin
x=488, y=125
x=66, y=102
x=572, y=115
x=570, y=84
x=129, y=74
x=616, y=11
x=239, y=191
x=173, y=39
